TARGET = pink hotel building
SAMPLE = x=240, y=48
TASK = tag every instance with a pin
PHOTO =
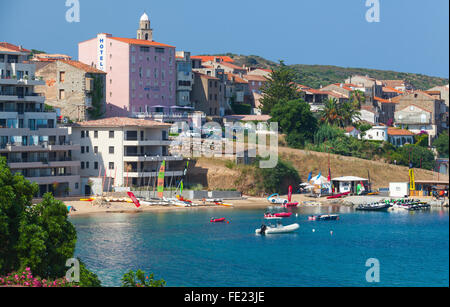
x=141, y=73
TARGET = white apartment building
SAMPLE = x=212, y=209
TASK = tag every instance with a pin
x=126, y=151
x=30, y=140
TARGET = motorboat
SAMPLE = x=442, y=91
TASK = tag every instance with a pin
x=279, y=228
x=277, y=216
x=325, y=217
x=338, y=195
x=373, y=207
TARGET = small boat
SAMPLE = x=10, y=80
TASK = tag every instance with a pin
x=287, y=205
x=263, y=230
x=338, y=195
x=283, y=214
x=222, y=204
x=373, y=207
x=87, y=199
x=213, y=220
x=273, y=199
x=323, y=218
x=272, y=217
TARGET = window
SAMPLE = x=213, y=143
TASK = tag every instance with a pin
x=82, y=134
x=82, y=165
x=82, y=149
x=111, y=134
x=76, y=186
x=95, y=134
x=111, y=149
x=87, y=164
x=95, y=149
x=62, y=94
x=95, y=165
x=87, y=149
x=87, y=133
x=62, y=75
x=111, y=165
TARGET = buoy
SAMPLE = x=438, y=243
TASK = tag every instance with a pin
x=314, y=230
x=331, y=232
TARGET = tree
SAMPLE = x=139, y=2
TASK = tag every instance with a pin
x=441, y=144
x=280, y=86
x=47, y=238
x=296, y=120
x=16, y=194
x=277, y=179
x=357, y=98
x=330, y=113
x=38, y=237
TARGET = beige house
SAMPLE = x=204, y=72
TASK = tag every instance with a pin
x=208, y=94
x=126, y=151
x=71, y=86
x=422, y=110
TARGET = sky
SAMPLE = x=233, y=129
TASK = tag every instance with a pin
x=411, y=35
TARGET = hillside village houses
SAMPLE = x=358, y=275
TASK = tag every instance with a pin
x=139, y=86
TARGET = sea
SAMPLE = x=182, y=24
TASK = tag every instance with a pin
x=361, y=249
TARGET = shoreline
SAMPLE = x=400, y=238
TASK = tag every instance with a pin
x=84, y=208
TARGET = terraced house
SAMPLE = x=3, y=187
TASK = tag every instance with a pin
x=30, y=139
x=77, y=89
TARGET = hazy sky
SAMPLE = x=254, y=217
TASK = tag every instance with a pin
x=412, y=35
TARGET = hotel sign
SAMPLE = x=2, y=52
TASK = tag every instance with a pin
x=101, y=52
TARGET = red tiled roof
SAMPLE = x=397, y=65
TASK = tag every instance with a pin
x=134, y=41
x=248, y=117
x=122, y=122
x=202, y=75
x=388, y=89
x=82, y=66
x=4, y=46
x=207, y=58
x=232, y=66
x=255, y=78
x=397, y=131
x=237, y=79
x=383, y=100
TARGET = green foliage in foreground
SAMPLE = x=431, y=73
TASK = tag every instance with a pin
x=277, y=179
x=140, y=279
x=39, y=237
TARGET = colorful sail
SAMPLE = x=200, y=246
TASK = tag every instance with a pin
x=412, y=183
x=181, y=187
x=186, y=168
x=309, y=176
x=134, y=199
x=290, y=193
x=161, y=176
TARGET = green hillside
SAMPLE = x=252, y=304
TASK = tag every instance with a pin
x=317, y=75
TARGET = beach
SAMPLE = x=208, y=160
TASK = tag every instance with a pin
x=87, y=208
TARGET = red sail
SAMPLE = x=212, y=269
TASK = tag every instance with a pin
x=290, y=193
x=134, y=199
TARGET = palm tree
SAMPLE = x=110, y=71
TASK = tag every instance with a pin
x=358, y=99
x=349, y=113
x=330, y=114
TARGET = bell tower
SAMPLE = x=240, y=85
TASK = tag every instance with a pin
x=144, y=32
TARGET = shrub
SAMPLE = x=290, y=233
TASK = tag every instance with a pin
x=277, y=179
x=140, y=279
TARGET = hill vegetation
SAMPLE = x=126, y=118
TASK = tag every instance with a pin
x=316, y=75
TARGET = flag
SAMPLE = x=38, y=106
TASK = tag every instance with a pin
x=309, y=176
x=290, y=193
x=329, y=174
x=181, y=187
x=186, y=168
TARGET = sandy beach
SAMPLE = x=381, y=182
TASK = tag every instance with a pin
x=88, y=208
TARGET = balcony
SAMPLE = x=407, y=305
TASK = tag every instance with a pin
x=39, y=147
x=150, y=157
x=147, y=143
x=135, y=174
x=70, y=178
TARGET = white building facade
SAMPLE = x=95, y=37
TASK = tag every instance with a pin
x=30, y=139
x=127, y=152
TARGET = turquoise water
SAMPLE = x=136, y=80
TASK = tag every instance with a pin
x=185, y=249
